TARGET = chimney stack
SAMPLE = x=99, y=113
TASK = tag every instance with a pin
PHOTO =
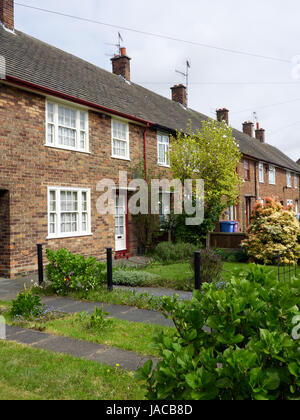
x=248, y=128
x=260, y=134
x=223, y=115
x=121, y=64
x=7, y=14
x=179, y=94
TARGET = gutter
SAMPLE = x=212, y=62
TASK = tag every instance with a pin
x=23, y=83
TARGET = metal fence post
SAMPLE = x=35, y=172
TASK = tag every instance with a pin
x=109, y=269
x=197, y=270
x=40, y=263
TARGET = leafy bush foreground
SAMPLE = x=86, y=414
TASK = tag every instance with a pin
x=67, y=271
x=232, y=342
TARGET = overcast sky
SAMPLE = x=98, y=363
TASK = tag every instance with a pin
x=268, y=27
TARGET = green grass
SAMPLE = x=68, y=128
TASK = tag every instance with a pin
x=28, y=373
x=178, y=276
x=126, y=335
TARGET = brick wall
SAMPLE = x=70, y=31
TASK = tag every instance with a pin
x=252, y=189
x=28, y=167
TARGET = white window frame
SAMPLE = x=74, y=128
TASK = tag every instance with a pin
x=126, y=140
x=289, y=179
x=261, y=173
x=78, y=128
x=166, y=161
x=271, y=181
x=58, y=212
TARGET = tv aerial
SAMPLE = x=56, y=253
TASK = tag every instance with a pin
x=186, y=76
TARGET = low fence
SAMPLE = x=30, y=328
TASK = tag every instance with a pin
x=226, y=240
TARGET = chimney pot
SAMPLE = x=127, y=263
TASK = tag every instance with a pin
x=223, y=115
x=179, y=94
x=7, y=14
x=121, y=64
x=248, y=128
x=260, y=134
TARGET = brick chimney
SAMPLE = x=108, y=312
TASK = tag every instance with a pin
x=260, y=134
x=223, y=115
x=121, y=64
x=179, y=94
x=248, y=128
x=7, y=13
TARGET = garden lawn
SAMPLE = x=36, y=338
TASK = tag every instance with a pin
x=180, y=276
x=28, y=373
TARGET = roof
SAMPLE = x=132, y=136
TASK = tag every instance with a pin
x=36, y=62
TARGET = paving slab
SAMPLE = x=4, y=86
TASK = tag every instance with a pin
x=78, y=348
x=125, y=313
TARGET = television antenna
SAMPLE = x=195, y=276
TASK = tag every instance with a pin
x=118, y=45
x=186, y=76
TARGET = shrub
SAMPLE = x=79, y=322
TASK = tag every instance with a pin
x=68, y=271
x=273, y=230
x=211, y=266
x=232, y=256
x=231, y=343
x=26, y=305
x=133, y=278
x=168, y=252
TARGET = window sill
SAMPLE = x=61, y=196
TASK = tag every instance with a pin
x=79, y=235
x=163, y=165
x=121, y=158
x=68, y=149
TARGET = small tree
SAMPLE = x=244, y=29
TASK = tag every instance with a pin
x=273, y=230
x=213, y=155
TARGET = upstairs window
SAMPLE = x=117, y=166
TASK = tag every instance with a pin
x=261, y=173
x=67, y=127
x=272, y=175
x=288, y=179
x=163, y=148
x=247, y=170
x=120, y=139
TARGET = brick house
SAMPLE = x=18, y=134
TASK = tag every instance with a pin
x=65, y=124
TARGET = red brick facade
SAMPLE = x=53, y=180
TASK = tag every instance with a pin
x=253, y=190
x=28, y=167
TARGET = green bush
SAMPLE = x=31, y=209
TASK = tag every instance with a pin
x=168, y=252
x=68, y=271
x=133, y=278
x=26, y=305
x=211, y=266
x=233, y=342
x=232, y=256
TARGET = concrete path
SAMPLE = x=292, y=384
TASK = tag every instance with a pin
x=78, y=348
x=125, y=313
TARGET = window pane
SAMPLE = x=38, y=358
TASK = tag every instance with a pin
x=50, y=108
x=50, y=139
x=119, y=148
